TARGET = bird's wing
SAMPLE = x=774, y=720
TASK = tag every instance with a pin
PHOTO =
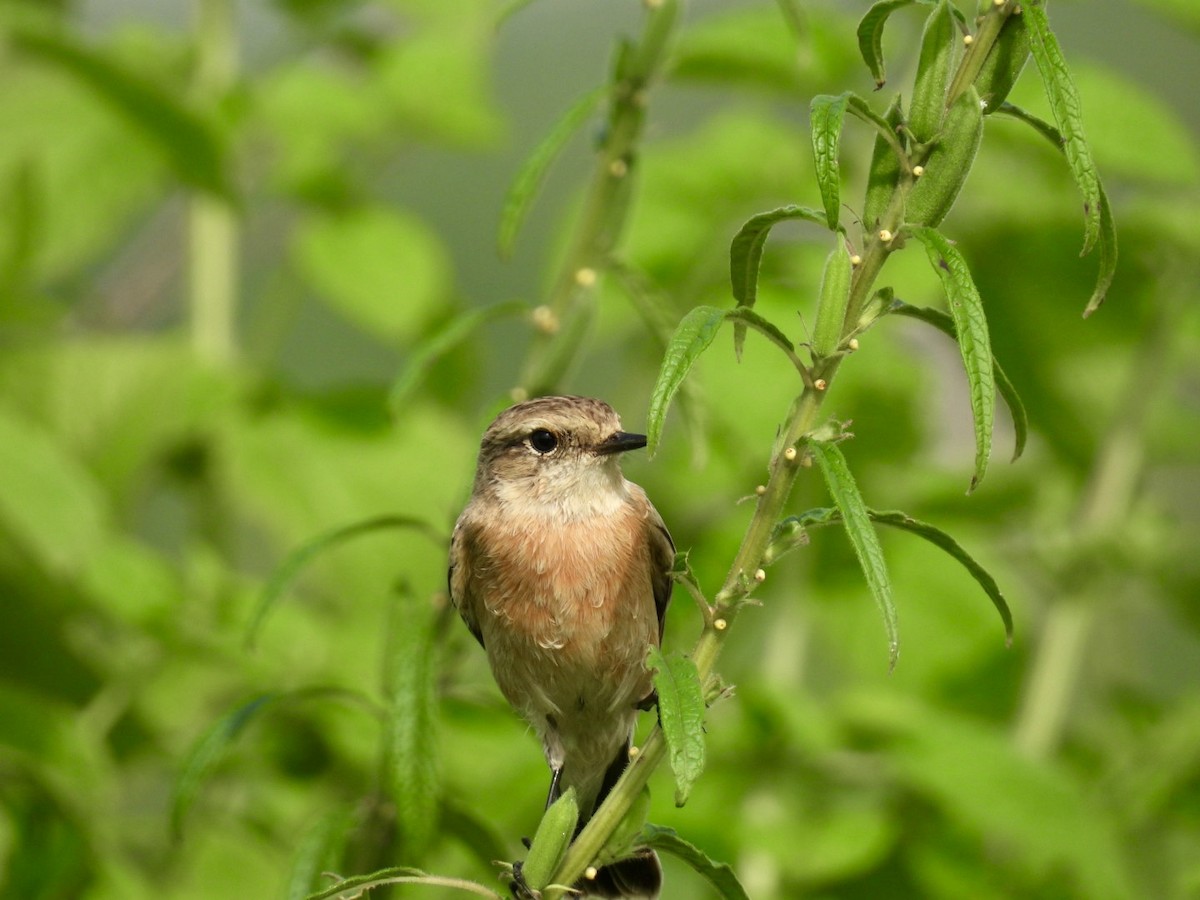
x=662, y=560
x=462, y=548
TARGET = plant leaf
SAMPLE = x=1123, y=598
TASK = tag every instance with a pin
x=531, y=175
x=939, y=538
x=863, y=538
x=1108, y=228
x=970, y=326
x=551, y=840
x=694, y=334
x=433, y=348
x=1064, y=103
x=190, y=144
x=681, y=715
x=827, y=113
x=939, y=46
x=299, y=558
x=410, y=748
x=354, y=888
x=870, y=36
x=1004, y=63
x=943, y=323
x=742, y=317
x=884, y=173
x=318, y=848
x=719, y=875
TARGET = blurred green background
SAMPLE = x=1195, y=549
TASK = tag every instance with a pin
x=227, y=229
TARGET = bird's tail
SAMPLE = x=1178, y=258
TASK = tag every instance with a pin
x=637, y=877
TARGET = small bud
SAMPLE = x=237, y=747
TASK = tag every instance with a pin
x=968, y=40
x=855, y=260
x=806, y=463
x=885, y=235
x=918, y=171
x=820, y=384
x=852, y=343
x=720, y=624
x=789, y=454
x=545, y=320
x=998, y=3
x=590, y=873
x=634, y=750
x=760, y=575
x=761, y=489
x=618, y=168
x=585, y=277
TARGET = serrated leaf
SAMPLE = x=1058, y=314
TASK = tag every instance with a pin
x=719, y=875
x=531, y=175
x=846, y=497
x=191, y=145
x=870, y=36
x=945, y=324
x=681, y=716
x=282, y=578
x=970, y=325
x=433, y=348
x=410, y=748
x=206, y=753
x=1108, y=228
x=692, y=337
x=939, y=538
x=1064, y=103
x=826, y=116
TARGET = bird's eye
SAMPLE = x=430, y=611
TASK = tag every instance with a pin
x=543, y=441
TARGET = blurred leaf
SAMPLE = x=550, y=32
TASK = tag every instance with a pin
x=1108, y=229
x=745, y=47
x=191, y=145
x=531, y=175
x=411, y=741
x=383, y=269
x=826, y=114
x=281, y=579
x=681, y=715
x=719, y=875
x=1064, y=102
x=318, y=850
x=357, y=887
x=206, y=753
x=970, y=326
x=1185, y=12
x=692, y=337
x=844, y=491
x=48, y=502
x=430, y=350
x=945, y=324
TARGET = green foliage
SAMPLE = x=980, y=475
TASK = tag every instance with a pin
x=159, y=497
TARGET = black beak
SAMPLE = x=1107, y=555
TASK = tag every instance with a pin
x=619, y=442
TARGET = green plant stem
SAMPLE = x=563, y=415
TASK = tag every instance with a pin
x=977, y=53
x=212, y=223
x=572, y=299
x=1108, y=498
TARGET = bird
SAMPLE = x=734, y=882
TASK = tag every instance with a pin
x=560, y=567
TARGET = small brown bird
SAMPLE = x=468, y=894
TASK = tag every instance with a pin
x=560, y=568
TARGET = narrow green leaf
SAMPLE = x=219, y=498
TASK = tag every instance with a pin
x=870, y=36
x=743, y=317
x=948, y=163
x=943, y=323
x=970, y=326
x=1108, y=228
x=433, y=348
x=206, y=753
x=298, y=559
x=1064, y=103
x=551, y=840
x=832, y=301
x=939, y=538
x=1004, y=63
x=827, y=114
x=355, y=888
x=939, y=47
x=681, y=715
x=410, y=745
x=533, y=173
x=719, y=875
x=317, y=851
x=746, y=249
x=190, y=144
x=844, y=491
x=692, y=337
x=884, y=174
